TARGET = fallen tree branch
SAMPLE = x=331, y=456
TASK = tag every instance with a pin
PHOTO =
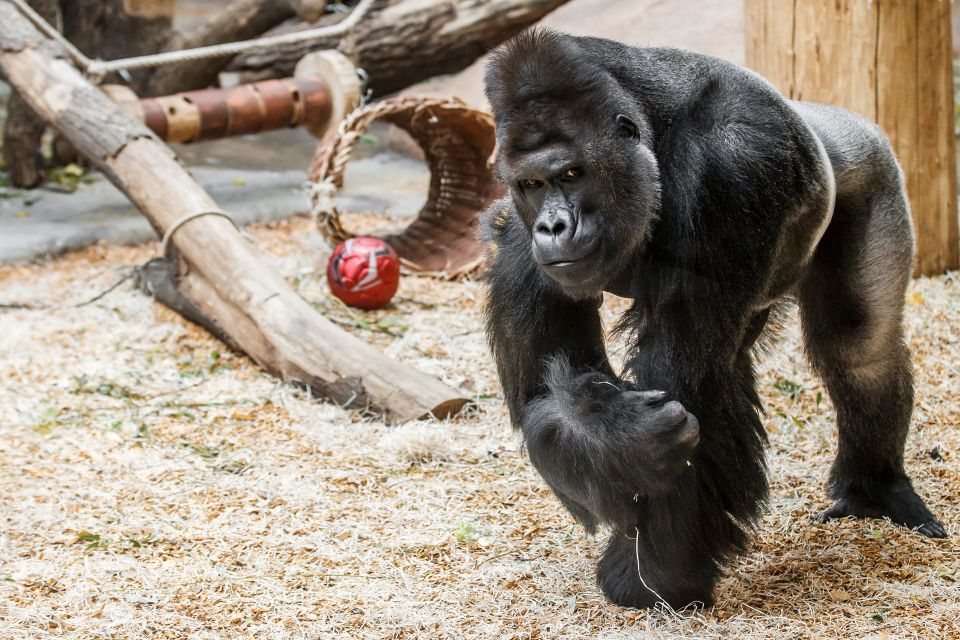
x=401, y=42
x=226, y=277
x=240, y=20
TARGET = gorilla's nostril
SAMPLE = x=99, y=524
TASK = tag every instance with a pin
x=554, y=225
x=554, y=229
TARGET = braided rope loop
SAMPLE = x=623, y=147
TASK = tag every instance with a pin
x=458, y=143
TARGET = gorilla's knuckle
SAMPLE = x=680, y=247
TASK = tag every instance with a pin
x=673, y=413
x=691, y=429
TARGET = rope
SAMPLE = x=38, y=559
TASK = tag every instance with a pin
x=100, y=68
x=27, y=306
x=164, y=244
x=168, y=234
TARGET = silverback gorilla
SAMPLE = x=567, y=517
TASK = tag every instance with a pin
x=692, y=187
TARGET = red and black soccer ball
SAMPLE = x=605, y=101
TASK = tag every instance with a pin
x=364, y=272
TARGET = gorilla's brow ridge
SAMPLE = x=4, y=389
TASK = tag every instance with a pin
x=537, y=139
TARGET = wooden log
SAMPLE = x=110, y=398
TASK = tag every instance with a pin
x=210, y=114
x=401, y=42
x=240, y=20
x=227, y=279
x=890, y=61
x=308, y=10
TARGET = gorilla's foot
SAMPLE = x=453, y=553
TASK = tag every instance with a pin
x=629, y=583
x=899, y=502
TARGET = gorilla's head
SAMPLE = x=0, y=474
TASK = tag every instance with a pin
x=575, y=152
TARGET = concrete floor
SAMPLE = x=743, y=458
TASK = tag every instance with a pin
x=255, y=178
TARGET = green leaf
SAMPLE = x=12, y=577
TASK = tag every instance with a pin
x=465, y=532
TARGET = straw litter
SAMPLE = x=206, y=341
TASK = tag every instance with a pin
x=157, y=485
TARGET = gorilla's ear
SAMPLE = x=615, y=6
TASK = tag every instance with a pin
x=627, y=127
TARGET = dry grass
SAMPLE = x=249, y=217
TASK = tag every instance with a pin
x=157, y=485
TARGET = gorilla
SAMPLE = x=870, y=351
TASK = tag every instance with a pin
x=692, y=187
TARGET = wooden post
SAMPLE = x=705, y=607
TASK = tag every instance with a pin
x=226, y=280
x=890, y=61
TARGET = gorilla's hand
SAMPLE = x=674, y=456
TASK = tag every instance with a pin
x=658, y=434
x=602, y=446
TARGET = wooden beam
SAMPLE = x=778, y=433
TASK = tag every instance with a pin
x=898, y=111
x=227, y=278
x=771, y=21
x=937, y=231
x=890, y=61
x=835, y=46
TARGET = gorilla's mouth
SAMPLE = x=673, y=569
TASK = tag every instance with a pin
x=576, y=273
x=589, y=254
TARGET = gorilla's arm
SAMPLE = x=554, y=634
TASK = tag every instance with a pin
x=600, y=444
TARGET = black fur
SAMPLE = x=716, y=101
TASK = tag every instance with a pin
x=691, y=186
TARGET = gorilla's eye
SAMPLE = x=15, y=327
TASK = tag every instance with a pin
x=572, y=174
x=530, y=183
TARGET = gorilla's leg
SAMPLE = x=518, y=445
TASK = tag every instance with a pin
x=852, y=311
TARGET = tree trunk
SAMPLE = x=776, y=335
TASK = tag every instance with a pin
x=23, y=130
x=22, y=134
x=226, y=278
x=400, y=42
x=241, y=20
x=92, y=27
x=107, y=29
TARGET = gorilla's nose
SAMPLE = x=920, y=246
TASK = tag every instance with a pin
x=555, y=226
x=555, y=237
x=552, y=228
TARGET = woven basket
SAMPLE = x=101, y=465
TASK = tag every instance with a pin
x=458, y=143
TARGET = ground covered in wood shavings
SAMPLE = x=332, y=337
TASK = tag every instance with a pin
x=157, y=485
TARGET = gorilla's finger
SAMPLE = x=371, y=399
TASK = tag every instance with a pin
x=649, y=398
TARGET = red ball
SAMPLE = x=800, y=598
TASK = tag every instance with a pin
x=364, y=272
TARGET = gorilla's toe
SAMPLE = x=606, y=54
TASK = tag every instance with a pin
x=932, y=530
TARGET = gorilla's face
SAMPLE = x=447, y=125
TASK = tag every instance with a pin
x=588, y=193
